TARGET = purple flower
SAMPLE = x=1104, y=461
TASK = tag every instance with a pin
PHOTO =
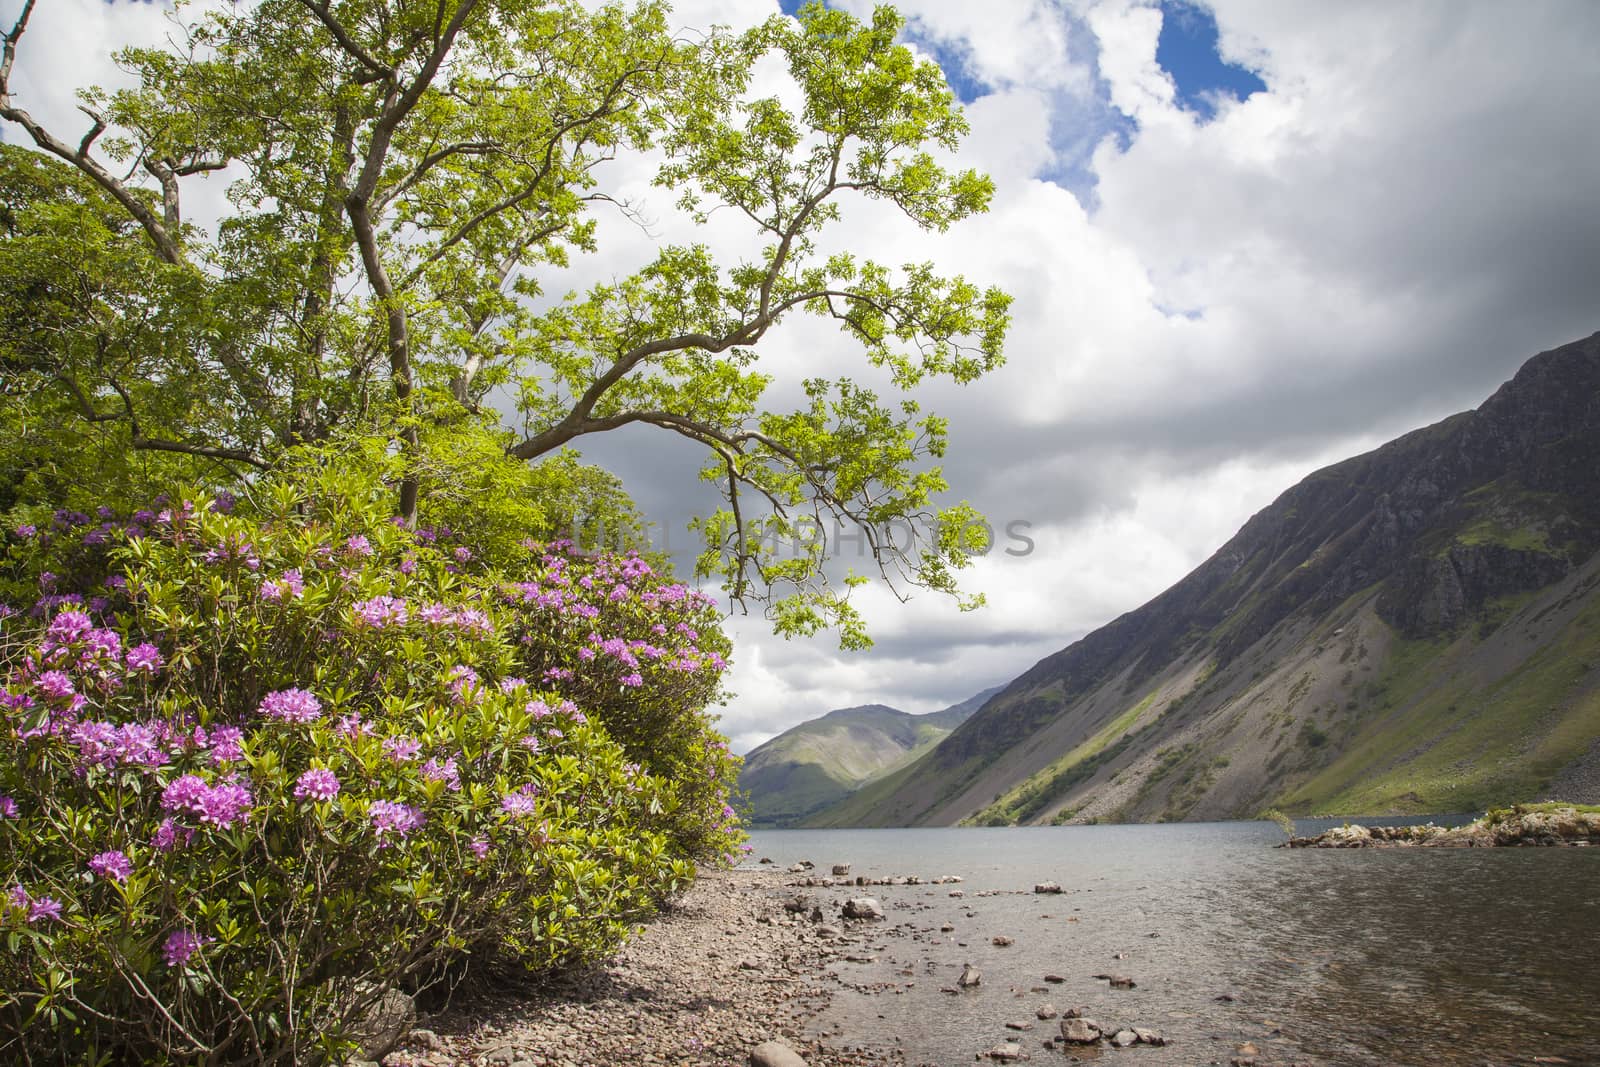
x=8, y=808
x=291, y=705
x=226, y=743
x=358, y=546
x=445, y=772
x=408, y=565
x=633, y=680
x=291, y=585
x=56, y=685
x=381, y=612
x=145, y=658
x=351, y=727
x=45, y=908
x=180, y=946
x=169, y=836
x=183, y=794
x=316, y=784
x=17, y=897
x=27, y=529
x=473, y=621
x=463, y=554
x=389, y=817
x=224, y=805
x=523, y=802
x=114, y=865
x=464, y=687
x=480, y=847
x=137, y=745
x=68, y=626
x=401, y=749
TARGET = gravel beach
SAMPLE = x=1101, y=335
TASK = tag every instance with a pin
x=724, y=972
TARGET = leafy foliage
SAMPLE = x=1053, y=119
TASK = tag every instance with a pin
x=409, y=182
x=255, y=767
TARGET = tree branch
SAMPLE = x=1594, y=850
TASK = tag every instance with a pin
x=358, y=205
x=351, y=46
x=167, y=246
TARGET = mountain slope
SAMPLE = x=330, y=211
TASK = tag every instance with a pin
x=1414, y=629
x=823, y=760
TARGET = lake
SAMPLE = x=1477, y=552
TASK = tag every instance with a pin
x=1334, y=957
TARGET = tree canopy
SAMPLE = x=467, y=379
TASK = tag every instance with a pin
x=408, y=183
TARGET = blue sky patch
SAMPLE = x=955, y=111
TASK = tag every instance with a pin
x=1187, y=50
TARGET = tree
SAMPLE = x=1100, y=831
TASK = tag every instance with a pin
x=409, y=179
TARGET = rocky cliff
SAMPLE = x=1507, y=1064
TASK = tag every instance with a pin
x=1414, y=629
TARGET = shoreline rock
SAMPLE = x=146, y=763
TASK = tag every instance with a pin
x=1546, y=825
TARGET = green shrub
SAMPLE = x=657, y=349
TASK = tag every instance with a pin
x=255, y=766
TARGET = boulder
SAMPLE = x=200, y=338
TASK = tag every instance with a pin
x=387, y=1017
x=863, y=908
x=795, y=905
x=1001, y=941
x=1054, y=979
x=841, y=869
x=775, y=1054
x=1124, y=1039
x=1047, y=887
x=1149, y=1037
x=1046, y=1011
x=970, y=976
x=1006, y=1051
x=1079, y=1031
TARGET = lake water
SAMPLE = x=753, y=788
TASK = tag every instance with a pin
x=1334, y=957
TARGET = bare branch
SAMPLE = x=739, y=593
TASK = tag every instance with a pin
x=95, y=131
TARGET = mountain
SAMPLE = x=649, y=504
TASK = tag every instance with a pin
x=823, y=760
x=1413, y=630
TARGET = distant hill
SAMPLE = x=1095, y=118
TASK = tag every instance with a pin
x=1413, y=630
x=823, y=760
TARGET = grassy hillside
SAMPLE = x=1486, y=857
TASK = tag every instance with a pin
x=824, y=760
x=1412, y=630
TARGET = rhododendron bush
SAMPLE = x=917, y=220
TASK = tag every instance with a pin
x=256, y=764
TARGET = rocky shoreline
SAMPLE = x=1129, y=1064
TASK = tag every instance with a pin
x=725, y=972
x=1546, y=825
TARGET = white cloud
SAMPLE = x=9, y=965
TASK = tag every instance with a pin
x=1372, y=243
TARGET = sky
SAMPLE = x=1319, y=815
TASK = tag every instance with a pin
x=1245, y=239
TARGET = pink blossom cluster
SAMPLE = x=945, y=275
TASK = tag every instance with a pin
x=390, y=818
x=223, y=805
x=290, y=585
x=381, y=612
x=291, y=705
